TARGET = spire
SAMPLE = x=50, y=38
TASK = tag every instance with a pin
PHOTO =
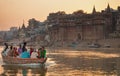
x=23, y=25
x=94, y=10
x=108, y=8
x=118, y=8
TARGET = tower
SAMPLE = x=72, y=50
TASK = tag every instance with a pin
x=23, y=25
x=108, y=8
x=94, y=10
x=119, y=8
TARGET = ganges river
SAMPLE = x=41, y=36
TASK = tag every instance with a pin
x=64, y=62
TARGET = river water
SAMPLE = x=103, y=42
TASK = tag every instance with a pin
x=69, y=63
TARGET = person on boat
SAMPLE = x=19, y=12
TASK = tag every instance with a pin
x=42, y=52
x=10, y=53
x=6, y=47
x=24, y=47
x=15, y=53
x=20, y=49
x=25, y=54
x=39, y=51
x=31, y=50
x=34, y=54
x=24, y=43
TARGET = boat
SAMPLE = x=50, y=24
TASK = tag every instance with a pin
x=107, y=46
x=15, y=60
x=93, y=45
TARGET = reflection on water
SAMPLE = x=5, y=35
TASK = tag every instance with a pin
x=25, y=69
x=69, y=63
x=16, y=70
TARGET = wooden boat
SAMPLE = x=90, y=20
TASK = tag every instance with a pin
x=15, y=60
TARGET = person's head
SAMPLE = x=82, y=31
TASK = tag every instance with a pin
x=20, y=46
x=15, y=48
x=24, y=43
x=43, y=47
x=11, y=47
x=5, y=44
x=39, y=49
x=34, y=50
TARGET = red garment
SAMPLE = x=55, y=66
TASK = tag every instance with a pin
x=31, y=50
x=15, y=53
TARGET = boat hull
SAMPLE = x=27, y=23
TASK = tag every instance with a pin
x=15, y=60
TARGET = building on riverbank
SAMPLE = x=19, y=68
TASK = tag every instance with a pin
x=34, y=32
x=83, y=26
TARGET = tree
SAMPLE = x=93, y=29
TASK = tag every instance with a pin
x=78, y=12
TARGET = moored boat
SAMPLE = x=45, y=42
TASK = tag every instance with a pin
x=15, y=60
x=93, y=45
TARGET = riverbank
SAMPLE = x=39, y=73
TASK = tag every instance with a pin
x=110, y=50
x=105, y=44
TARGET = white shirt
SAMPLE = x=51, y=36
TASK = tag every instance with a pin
x=34, y=55
x=6, y=52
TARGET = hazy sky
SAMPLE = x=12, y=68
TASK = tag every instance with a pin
x=13, y=12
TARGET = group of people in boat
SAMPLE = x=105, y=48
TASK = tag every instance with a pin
x=23, y=52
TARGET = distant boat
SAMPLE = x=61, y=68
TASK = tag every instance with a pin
x=15, y=60
x=107, y=46
x=93, y=45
